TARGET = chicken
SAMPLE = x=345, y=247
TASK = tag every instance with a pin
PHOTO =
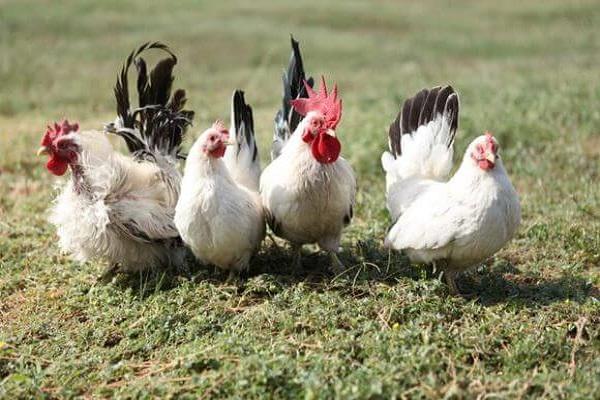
x=308, y=190
x=454, y=223
x=120, y=208
x=219, y=213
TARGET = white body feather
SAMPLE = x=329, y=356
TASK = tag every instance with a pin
x=243, y=170
x=306, y=201
x=221, y=220
x=461, y=221
x=426, y=158
x=94, y=217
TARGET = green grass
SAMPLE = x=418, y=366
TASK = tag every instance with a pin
x=528, y=71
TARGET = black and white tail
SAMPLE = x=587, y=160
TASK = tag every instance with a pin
x=241, y=158
x=159, y=123
x=286, y=119
x=421, y=138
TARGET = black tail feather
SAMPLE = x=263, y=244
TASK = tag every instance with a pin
x=421, y=109
x=293, y=85
x=161, y=81
x=244, y=123
x=415, y=110
x=178, y=101
x=142, y=82
x=287, y=119
x=157, y=125
x=427, y=112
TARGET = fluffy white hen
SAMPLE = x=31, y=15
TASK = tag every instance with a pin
x=308, y=190
x=219, y=213
x=120, y=208
x=453, y=223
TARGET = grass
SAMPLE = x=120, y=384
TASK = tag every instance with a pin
x=528, y=71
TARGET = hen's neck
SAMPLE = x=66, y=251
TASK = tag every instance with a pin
x=470, y=177
x=206, y=167
x=80, y=184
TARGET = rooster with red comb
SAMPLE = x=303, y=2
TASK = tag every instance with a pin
x=308, y=190
x=120, y=208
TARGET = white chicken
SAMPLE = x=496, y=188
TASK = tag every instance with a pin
x=219, y=213
x=453, y=223
x=308, y=190
x=120, y=208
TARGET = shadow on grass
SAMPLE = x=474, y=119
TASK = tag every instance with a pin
x=504, y=283
x=364, y=261
x=271, y=271
x=494, y=287
x=272, y=266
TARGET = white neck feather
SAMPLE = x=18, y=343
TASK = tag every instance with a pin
x=200, y=166
x=471, y=175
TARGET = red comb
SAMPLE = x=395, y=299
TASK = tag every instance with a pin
x=219, y=126
x=490, y=141
x=58, y=130
x=326, y=103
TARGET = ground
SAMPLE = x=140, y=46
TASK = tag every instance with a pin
x=527, y=71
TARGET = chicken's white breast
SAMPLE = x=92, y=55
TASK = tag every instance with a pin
x=115, y=208
x=221, y=222
x=467, y=220
x=306, y=201
x=219, y=213
x=454, y=223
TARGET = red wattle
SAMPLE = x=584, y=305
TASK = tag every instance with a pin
x=485, y=164
x=326, y=148
x=57, y=166
x=218, y=152
x=307, y=136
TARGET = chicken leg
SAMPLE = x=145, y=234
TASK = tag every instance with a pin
x=337, y=267
x=297, y=263
x=233, y=278
x=450, y=277
x=110, y=272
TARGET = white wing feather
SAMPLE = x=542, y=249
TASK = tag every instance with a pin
x=124, y=208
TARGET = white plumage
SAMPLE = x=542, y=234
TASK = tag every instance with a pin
x=219, y=213
x=307, y=201
x=120, y=208
x=454, y=223
x=308, y=191
x=116, y=209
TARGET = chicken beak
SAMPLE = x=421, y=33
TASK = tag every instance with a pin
x=491, y=157
x=43, y=151
x=331, y=132
x=228, y=142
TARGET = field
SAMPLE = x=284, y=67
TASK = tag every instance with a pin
x=527, y=71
